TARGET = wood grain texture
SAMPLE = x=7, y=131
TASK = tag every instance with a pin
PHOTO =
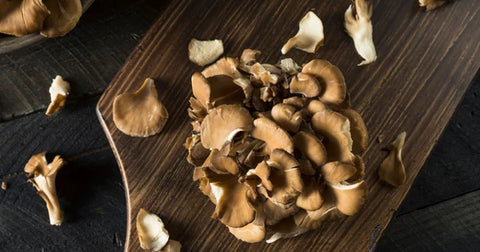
x=426, y=62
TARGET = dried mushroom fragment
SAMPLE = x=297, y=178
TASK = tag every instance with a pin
x=431, y=4
x=64, y=16
x=392, y=169
x=216, y=90
x=59, y=90
x=42, y=176
x=4, y=186
x=21, y=17
x=330, y=78
x=140, y=114
x=224, y=66
x=311, y=197
x=273, y=135
x=309, y=36
x=261, y=74
x=359, y=28
x=151, y=231
x=204, y=52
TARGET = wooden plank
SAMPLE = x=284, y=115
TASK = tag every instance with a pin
x=452, y=225
x=422, y=56
x=88, y=57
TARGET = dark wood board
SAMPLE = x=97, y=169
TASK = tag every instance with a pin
x=426, y=62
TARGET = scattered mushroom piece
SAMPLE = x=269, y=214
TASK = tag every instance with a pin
x=305, y=85
x=431, y=4
x=216, y=90
x=4, y=186
x=298, y=102
x=359, y=27
x=309, y=36
x=172, y=246
x=204, y=52
x=311, y=147
x=223, y=123
x=59, y=90
x=42, y=176
x=330, y=78
x=287, y=117
x=21, y=17
x=289, y=66
x=140, y=114
x=358, y=130
x=260, y=73
x=64, y=16
x=392, y=169
x=151, y=231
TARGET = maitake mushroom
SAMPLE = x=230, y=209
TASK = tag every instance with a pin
x=392, y=169
x=359, y=27
x=275, y=163
x=152, y=233
x=42, y=176
x=59, y=90
x=140, y=114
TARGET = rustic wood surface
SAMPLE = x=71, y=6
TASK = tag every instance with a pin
x=426, y=62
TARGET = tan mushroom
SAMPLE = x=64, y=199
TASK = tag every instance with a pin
x=151, y=231
x=289, y=66
x=309, y=36
x=306, y=167
x=64, y=16
x=336, y=172
x=223, y=123
x=392, y=169
x=140, y=114
x=336, y=130
x=224, y=66
x=311, y=147
x=311, y=197
x=248, y=58
x=287, y=117
x=305, y=84
x=275, y=212
x=42, y=176
x=360, y=173
x=431, y=4
x=358, y=130
x=285, y=229
x=254, y=231
x=204, y=52
x=216, y=90
x=196, y=111
x=315, y=106
x=197, y=154
x=59, y=90
x=261, y=74
x=274, y=136
x=21, y=17
x=313, y=219
x=359, y=28
x=330, y=78
x=297, y=102
x=350, y=197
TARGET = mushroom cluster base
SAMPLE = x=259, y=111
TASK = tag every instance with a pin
x=276, y=148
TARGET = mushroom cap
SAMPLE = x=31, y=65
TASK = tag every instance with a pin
x=305, y=84
x=350, y=198
x=287, y=117
x=225, y=165
x=313, y=219
x=309, y=36
x=21, y=17
x=297, y=102
x=330, y=78
x=336, y=172
x=151, y=231
x=196, y=111
x=358, y=130
x=204, y=52
x=248, y=58
x=140, y=114
x=223, y=123
x=64, y=16
x=254, y=231
x=306, y=167
x=274, y=136
x=311, y=147
x=392, y=169
x=286, y=177
x=59, y=90
x=216, y=90
x=311, y=197
x=336, y=130
x=224, y=66
x=315, y=106
x=172, y=246
x=263, y=172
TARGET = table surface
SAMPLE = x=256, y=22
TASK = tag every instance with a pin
x=440, y=212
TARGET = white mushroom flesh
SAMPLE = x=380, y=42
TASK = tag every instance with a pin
x=59, y=90
x=309, y=36
x=204, y=52
x=151, y=231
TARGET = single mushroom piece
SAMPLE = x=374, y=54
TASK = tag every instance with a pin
x=4, y=186
x=216, y=90
x=274, y=136
x=64, y=16
x=359, y=28
x=431, y=4
x=336, y=172
x=350, y=197
x=59, y=90
x=305, y=84
x=311, y=147
x=248, y=58
x=314, y=106
x=224, y=66
x=289, y=66
x=223, y=123
x=151, y=231
x=330, y=78
x=392, y=169
x=22, y=17
x=204, y=52
x=358, y=130
x=140, y=114
x=309, y=36
x=42, y=176
x=287, y=117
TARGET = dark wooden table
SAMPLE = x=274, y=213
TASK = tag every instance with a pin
x=441, y=211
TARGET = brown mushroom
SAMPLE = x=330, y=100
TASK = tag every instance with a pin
x=223, y=123
x=358, y=130
x=254, y=231
x=224, y=66
x=42, y=176
x=431, y=4
x=64, y=16
x=216, y=90
x=313, y=219
x=204, y=52
x=330, y=79
x=297, y=102
x=306, y=167
x=261, y=74
x=140, y=114
x=196, y=111
x=311, y=197
x=305, y=84
x=263, y=172
x=248, y=58
x=311, y=147
x=274, y=136
x=309, y=36
x=315, y=106
x=21, y=17
x=287, y=117
x=59, y=90
x=392, y=169
x=336, y=172
x=350, y=197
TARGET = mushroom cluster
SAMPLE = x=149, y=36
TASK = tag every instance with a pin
x=275, y=147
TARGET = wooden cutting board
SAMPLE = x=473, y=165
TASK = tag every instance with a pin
x=425, y=64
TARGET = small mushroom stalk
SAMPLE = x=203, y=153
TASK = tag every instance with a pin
x=359, y=27
x=42, y=176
